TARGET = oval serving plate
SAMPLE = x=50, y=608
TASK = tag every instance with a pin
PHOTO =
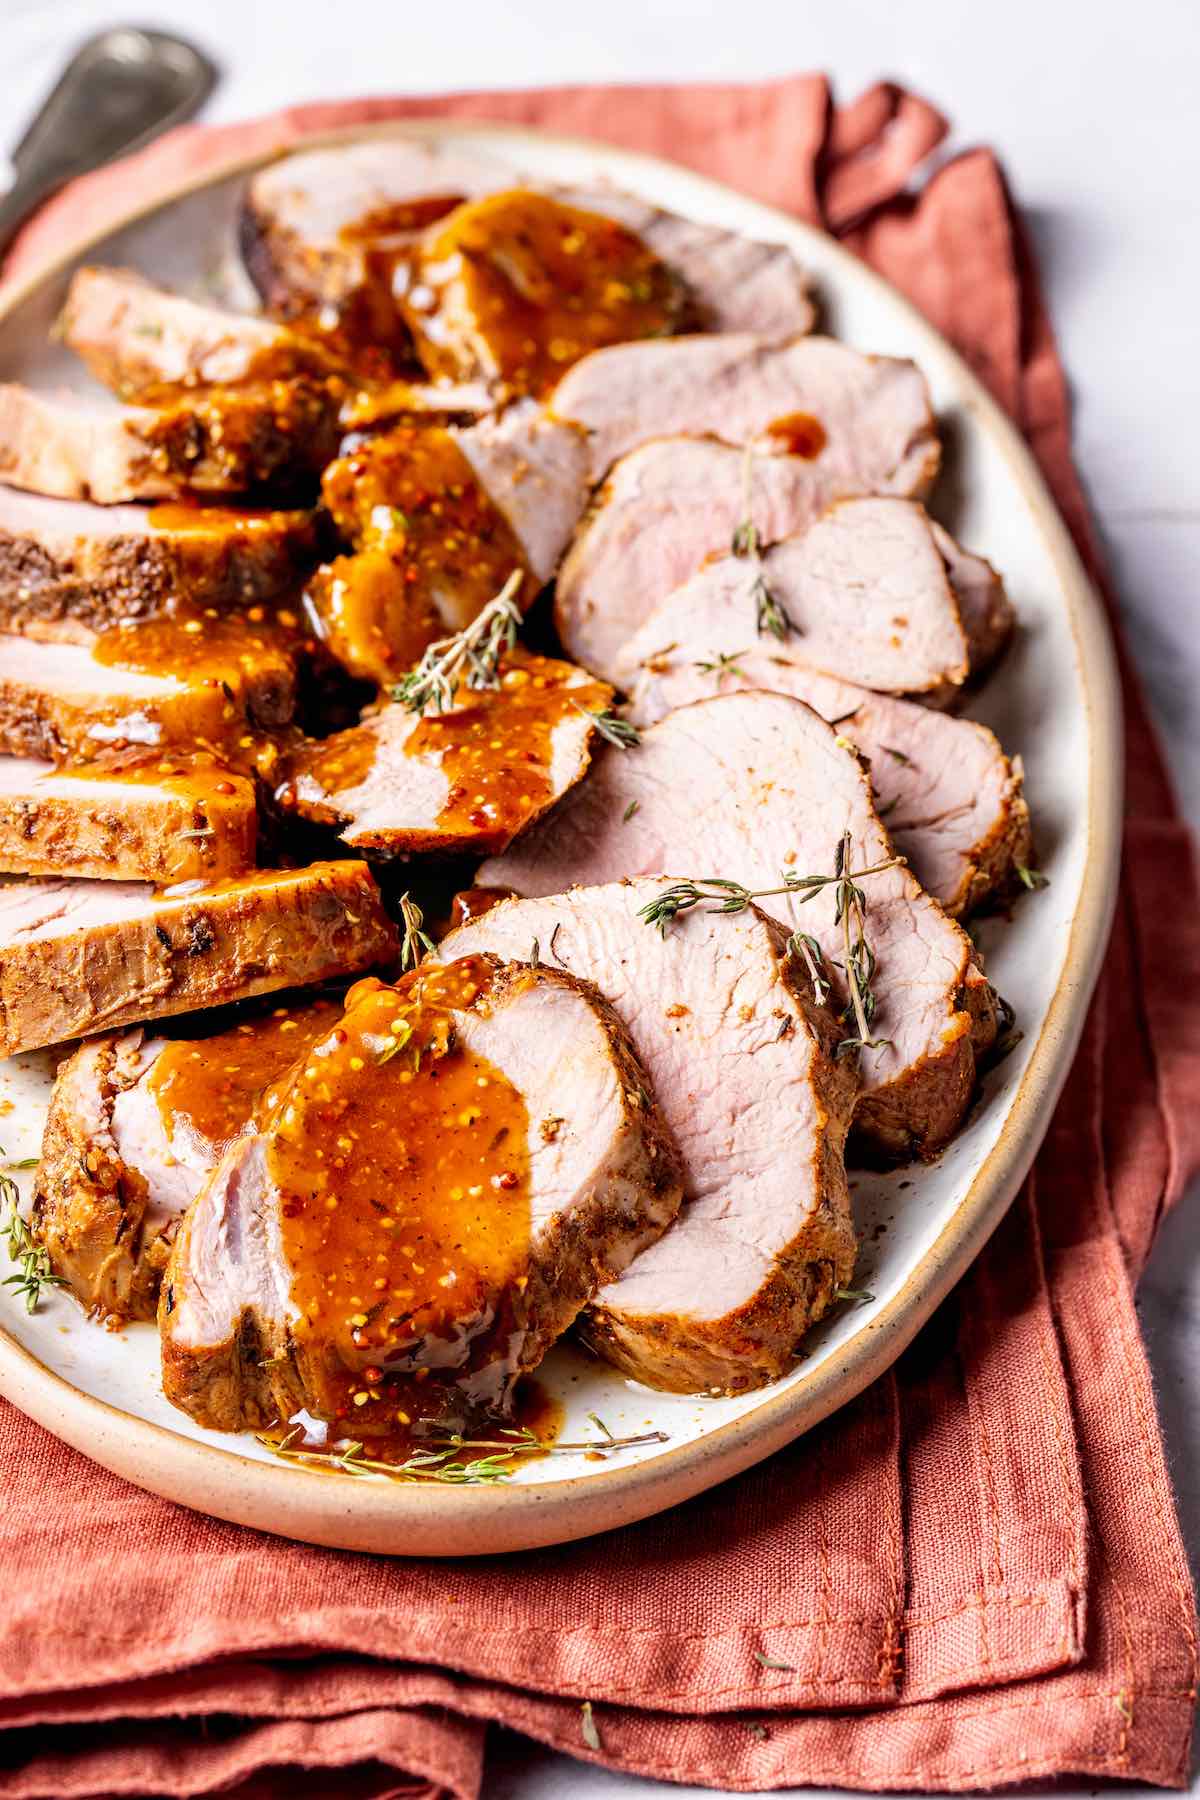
x=1054, y=701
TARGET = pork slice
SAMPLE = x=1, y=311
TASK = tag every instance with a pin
x=953, y=803
x=669, y=507
x=756, y=788
x=467, y=780
x=57, y=700
x=305, y=220
x=865, y=591
x=67, y=561
x=135, y=336
x=223, y=441
x=136, y=1124
x=987, y=612
x=84, y=956
x=122, y=819
x=741, y=1063
x=532, y=1096
x=865, y=421
x=536, y=471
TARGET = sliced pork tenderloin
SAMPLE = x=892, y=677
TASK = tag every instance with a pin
x=65, y=561
x=84, y=956
x=58, y=700
x=311, y=222
x=137, y=337
x=500, y=1159
x=464, y=781
x=136, y=1124
x=742, y=1064
x=127, y=818
x=673, y=504
x=951, y=800
x=756, y=788
x=987, y=612
x=863, y=422
x=210, y=441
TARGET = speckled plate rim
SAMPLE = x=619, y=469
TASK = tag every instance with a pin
x=399, y=1520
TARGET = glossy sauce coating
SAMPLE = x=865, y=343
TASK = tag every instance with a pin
x=242, y=521
x=435, y=550
x=521, y=286
x=403, y=1164
x=799, y=433
x=214, y=1088
x=473, y=903
x=200, y=645
x=495, y=746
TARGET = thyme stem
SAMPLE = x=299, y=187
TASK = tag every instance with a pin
x=475, y=652
x=414, y=943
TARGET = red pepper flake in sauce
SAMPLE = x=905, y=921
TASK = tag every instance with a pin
x=520, y=286
x=799, y=434
x=402, y=1158
x=212, y=1089
x=432, y=546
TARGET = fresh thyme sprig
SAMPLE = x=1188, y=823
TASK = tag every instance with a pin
x=35, y=1272
x=414, y=943
x=612, y=727
x=724, y=663
x=769, y=615
x=849, y=913
x=444, y=1462
x=472, y=654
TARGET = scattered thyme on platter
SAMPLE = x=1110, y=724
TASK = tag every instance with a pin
x=34, y=1274
x=1031, y=878
x=588, y=1729
x=473, y=655
x=444, y=1462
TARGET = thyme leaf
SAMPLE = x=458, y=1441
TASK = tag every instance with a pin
x=34, y=1273
x=898, y=754
x=769, y=615
x=473, y=654
x=444, y=1462
x=724, y=663
x=612, y=728
x=807, y=948
x=588, y=1728
x=771, y=1662
x=414, y=942
x=629, y=811
x=845, y=1293
x=1031, y=878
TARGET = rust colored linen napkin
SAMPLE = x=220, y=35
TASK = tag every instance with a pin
x=973, y=1575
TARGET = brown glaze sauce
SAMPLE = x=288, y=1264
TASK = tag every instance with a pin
x=434, y=549
x=402, y=1158
x=495, y=746
x=200, y=645
x=542, y=282
x=217, y=1087
x=799, y=433
x=473, y=903
x=250, y=521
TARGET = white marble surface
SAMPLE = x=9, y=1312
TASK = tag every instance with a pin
x=1094, y=116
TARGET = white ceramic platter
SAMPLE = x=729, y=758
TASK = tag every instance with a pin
x=1054, y=700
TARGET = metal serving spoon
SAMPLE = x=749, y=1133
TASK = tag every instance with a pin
x=120, y=89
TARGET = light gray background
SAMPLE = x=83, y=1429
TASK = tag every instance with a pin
x=1094, y=114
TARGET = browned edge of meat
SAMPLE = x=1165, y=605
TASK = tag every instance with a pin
x=66, y=561
x=90, y=1208
x=761, y=1339
x=261, y=1373
x=78, y=957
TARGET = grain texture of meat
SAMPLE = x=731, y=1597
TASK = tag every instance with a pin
x=57, y=700
x=123, y=819
x=741, y=1063
x=201, y=443
x=867, y=578
x=64, y=561
x=754, y=787
x=84, y=956
x=602, y=1183
x=951, y=800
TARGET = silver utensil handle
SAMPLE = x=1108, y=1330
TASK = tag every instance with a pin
x=121, y=89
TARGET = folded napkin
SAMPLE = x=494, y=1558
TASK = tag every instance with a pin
x=971, y=1576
